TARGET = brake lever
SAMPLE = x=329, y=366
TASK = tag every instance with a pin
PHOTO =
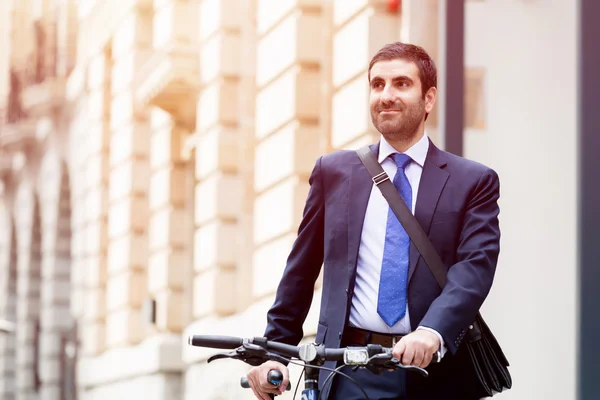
x=249, y=353
x=397, y=364
x=380, y=363
x=232, y=354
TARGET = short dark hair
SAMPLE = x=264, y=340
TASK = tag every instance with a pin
x=413, y=53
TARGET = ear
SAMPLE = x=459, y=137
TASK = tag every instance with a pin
x=430, y=98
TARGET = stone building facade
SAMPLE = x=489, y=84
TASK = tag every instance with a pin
x=154, y=160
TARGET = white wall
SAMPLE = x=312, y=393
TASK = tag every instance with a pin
x=528, y=49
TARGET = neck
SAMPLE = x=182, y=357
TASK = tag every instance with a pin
x=403, y=144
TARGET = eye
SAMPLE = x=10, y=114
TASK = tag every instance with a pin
x=377, y=85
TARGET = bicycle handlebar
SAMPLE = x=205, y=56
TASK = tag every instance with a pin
x=255, y=351
x=215, y=342
x=230, y=342
x=305, y=353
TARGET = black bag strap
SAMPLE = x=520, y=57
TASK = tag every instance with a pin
x=404, y=215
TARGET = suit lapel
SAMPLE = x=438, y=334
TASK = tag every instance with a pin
x=433, y=180
x=360, y=188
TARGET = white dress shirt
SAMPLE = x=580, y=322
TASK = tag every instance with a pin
x=363, y=313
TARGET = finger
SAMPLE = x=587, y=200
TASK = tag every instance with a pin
x=418, y=357
x=265, y=391
x=268, y=387
x=409, y=354
x=259, y=394
x=252, y=380
x=286, y=377
x=426, y=360
x=399, y=349
x=255, y=393
x=264, y=386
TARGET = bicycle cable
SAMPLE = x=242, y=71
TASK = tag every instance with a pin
x=334, y=371
x=298, y=384
x=329, y=379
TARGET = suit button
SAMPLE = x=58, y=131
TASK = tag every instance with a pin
x=339, y=335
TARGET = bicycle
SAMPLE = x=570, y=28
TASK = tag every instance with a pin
x=255, y=351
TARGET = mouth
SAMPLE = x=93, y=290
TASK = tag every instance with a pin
x=384, y=112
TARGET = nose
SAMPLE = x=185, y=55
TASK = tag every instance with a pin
x=387, y=95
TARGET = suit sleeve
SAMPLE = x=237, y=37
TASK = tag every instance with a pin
x=295, y=292
x=470, y=279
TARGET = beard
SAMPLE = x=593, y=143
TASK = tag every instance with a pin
x=400, y=127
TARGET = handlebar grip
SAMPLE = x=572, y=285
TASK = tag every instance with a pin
x=215, y=342
x=437, y=356
x=244, y=382
x=274, y=376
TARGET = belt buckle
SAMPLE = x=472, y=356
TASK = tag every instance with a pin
x=395, y=340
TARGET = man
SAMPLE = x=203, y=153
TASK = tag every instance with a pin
x=376, y=287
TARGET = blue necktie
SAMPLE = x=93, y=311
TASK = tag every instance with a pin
x=391, y=304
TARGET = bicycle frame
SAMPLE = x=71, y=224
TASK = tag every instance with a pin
x=311, y=384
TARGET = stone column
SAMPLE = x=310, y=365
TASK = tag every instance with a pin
x=66, y=36
x=28, y=291
x=219, y=187
x=8, y=310
x=77, y=133
x=168, y=226
x=173, y=96
x=90, y=216
x=248, y=39
x=128, y=187
x=56, y=317
x=288, y=107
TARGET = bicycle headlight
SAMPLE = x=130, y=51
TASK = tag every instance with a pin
x=356, y=356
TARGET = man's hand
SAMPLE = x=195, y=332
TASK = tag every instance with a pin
x=257, y=379
x=417, y=348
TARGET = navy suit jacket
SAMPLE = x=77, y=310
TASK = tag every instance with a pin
x=457, y=206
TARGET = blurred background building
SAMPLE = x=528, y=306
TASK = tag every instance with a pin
x=154, y=162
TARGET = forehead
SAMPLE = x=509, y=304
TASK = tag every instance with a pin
x=389, y=69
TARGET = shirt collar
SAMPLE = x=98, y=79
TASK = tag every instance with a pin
x=417, y=152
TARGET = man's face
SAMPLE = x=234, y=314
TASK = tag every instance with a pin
x=396, y=101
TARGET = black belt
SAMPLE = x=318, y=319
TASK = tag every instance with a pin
x=361, y=337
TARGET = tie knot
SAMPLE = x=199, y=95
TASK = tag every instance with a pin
x=401, y=160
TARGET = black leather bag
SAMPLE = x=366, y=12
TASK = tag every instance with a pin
x=490, y=373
